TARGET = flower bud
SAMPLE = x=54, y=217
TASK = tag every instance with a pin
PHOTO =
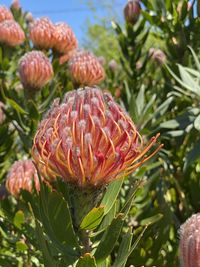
x=11, y=33
x=35, y=70
x=29, y=17
x=88, y=140
x=190, y=242
x=64, y=38
x=5, y=14
x=21, y=176
x=102, y=60
x=85, y=69
x=132, y=11
x=42, y=33
x=157, y=55
x=112, y=65
x=15, y=5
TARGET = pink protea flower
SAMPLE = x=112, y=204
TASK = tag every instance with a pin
x=190, y=242
x=88, y=140
x=85, y=69
x=11, y=33
x=21, y=176
x=132, y=11
x=42, y=33
x=35, y=70
x=64, y=38
x=5, y=14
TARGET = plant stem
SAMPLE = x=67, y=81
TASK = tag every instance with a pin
x=85, y=240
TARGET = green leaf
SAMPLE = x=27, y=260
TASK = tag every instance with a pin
x=109, y=239
x=188, y=80
x=48, y=260
x=163, y=107
x=16, y=106
x=128, y=204
x=140, y=100
x=116, y=27
x=193, y=155
x=152, y=219
x=107, y=220
x=195, y=58
x=21, y=246
x=133, y=109
x=124, y=249
x=111, y=195
x=86, y=261
x=186, y=85
x=137, y=240
x=93, y=218
x=60, y=219
x=197, y=123
x=171, y=124
x=19, y=219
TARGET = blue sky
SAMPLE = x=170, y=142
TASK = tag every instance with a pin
x=74, y=12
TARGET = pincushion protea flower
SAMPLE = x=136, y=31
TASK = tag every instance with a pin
x=88, y=140
x=21, y=176
x=35, y=70
x=132, y=11
x=41, y=33
x=11, y=33
x=85, y=69
x=64, y=38
x=190, y=242
x=5, y=14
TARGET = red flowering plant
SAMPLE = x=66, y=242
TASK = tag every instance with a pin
x=83, y=149
x=83, y=173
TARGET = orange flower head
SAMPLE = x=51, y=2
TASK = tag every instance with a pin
x=42, y=33
x=64, y=38
x=190, y=242
x=21, y=176
x=5, y=14
x=35, y=70
x=85, y=69
x=89, y=140
x=11, y=33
